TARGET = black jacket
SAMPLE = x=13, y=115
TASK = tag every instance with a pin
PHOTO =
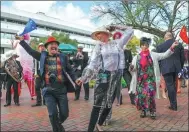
x=128, y=58
x=34, y=65
x=175, y=62
x=82, y=62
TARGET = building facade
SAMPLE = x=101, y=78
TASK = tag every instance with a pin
x=14, y=20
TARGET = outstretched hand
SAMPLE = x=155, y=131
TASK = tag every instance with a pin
x=78, y=82
x=175, y=44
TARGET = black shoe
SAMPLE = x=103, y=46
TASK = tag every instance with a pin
x=61, y=128
x=173, y=108
x=17, y=104
x=76, y=99
x=143, y=114
x=7, y=105
x=38, y=104
x=132, y=102
x=153, y=115
x=86, y=98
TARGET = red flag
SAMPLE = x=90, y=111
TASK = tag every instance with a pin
x=183, y=35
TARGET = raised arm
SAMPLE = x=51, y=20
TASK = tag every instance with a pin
x=35, y=54
x=169, y=52
x=127, y=35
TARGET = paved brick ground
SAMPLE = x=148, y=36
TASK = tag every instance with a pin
x=125, y=117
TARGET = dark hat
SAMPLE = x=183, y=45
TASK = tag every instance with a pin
x=50, y=40
x=145, y=40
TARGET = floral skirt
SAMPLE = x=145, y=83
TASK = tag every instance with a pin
x=145, y=94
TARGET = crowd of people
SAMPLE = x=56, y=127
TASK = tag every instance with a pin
x=148, y=75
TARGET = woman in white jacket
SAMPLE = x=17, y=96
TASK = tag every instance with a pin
x=146, y=77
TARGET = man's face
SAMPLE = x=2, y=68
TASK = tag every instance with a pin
x=52, y=48
x=41, y=48
x=14, y=57
x=79, y=49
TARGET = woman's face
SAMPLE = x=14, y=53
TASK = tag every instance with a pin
x=117, y=36
x=103, y=37
x=144, y=47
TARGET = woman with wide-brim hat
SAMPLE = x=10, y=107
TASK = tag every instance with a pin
x=108, y=59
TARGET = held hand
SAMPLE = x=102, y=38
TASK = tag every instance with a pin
x=111, y=28
x=174, y=44
x=131, y=67
x=78, y=82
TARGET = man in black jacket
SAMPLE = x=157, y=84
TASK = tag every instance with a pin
x=11, y=82
x=38, y=78
x=55, y=71
x=127, y=75
x=80, y=62
x=170, y=67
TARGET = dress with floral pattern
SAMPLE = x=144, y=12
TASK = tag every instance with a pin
x=146, y=85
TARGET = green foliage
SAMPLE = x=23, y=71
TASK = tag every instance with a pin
x=150, y=16
x=61, y=37
x=133, y=44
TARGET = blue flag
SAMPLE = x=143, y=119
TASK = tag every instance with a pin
x=30, y=26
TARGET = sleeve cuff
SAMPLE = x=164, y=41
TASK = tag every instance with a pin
x=172, y=49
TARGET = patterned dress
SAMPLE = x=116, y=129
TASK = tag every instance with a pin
x=146, y=85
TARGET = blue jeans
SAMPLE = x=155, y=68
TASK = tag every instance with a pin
x=54, y=97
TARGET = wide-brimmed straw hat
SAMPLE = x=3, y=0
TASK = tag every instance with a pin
x=40, y=44
x=100, y=30
x=10, y=54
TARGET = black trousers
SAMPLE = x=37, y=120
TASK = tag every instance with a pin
x=170, y=80
x=95, y=115
x=10, y=83
x=78, y=88
x=1, y=85
x=127, y=77
x=38, y=86
x=54, y=98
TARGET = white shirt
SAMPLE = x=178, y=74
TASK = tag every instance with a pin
x=112, y=54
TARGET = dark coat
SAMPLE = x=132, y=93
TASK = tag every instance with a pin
x=128, y=58
x=42, y=57
x=83, y=62
x=175, y=62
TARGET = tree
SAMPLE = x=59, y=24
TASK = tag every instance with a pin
x=61, y=37
x=133, y=44
x=157, y=41
x=150, y=16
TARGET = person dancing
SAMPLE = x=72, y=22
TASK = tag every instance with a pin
x=109, y=55
x=146, y=77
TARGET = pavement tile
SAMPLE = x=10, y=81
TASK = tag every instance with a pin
x=124, y=118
